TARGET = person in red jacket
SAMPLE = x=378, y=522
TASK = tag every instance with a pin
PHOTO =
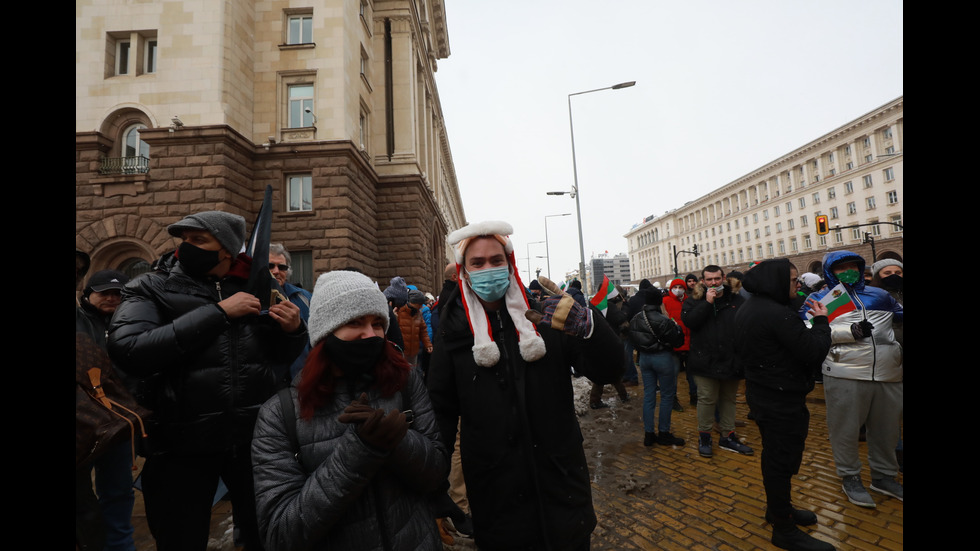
x=673, y=301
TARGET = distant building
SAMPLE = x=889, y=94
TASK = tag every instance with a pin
x=854, y=175
x=189, y=106
x=617, y=268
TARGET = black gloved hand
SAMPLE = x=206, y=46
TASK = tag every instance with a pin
x=861, y=329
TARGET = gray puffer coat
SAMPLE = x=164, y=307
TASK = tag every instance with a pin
x=342, y=493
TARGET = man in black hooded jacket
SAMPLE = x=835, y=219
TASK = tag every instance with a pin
x=780, y=357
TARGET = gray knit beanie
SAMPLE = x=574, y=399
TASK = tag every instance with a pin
x=227, y=228
x=877, y=266
x=341, y=296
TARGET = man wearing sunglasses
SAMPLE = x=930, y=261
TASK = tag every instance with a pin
x=281, y=267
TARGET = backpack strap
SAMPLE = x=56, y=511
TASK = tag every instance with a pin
x=289, y=419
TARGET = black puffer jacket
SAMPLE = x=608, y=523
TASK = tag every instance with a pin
x=203, y=375
x=712, y=333
x=772, y=343
x=342, y=493
x=651, y=325
x=527, y=479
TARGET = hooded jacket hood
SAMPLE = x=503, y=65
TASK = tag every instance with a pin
x=837, y=257
x=769, y=278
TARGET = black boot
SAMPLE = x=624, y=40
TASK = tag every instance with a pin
x=649, y=438
x=788, y=536
x=799, y=516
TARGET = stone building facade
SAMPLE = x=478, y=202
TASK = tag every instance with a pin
x=190, y=106
x=854, y=175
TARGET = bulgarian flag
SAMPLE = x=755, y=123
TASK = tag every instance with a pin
x=606, y=291
x=837, y=302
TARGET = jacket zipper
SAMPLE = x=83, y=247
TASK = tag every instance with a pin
x=874, y=348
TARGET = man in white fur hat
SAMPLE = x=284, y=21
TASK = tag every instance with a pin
x=508, y=380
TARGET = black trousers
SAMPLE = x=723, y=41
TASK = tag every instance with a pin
x=783, y=421
x=178, y=491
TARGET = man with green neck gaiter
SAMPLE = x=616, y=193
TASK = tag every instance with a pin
x=862, y=375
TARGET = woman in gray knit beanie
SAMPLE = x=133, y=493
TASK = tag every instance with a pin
x=361, y=426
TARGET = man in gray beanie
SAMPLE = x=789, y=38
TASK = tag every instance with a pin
x=206, y=357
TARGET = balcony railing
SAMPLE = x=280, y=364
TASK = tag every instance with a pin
x=124, y=165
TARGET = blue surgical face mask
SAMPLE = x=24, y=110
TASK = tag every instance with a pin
x=490, y=284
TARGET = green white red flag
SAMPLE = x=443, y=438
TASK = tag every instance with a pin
x=606, y=291
x=837, y=301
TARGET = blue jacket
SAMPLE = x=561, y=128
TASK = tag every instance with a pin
x=301, y=298
x=875, y=358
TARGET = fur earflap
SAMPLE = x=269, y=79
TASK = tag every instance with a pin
x=485, y=351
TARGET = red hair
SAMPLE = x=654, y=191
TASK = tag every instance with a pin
x=317, y=385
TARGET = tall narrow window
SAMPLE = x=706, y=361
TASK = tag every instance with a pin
x=300, y=100
x=150, y=57
x=122, y=57
x=299, y=188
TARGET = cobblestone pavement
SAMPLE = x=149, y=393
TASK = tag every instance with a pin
x=674, y=499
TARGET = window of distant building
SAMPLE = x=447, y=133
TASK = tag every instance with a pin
x=122, y=57
x=848, y=188
x=889, y=174
x=870, y=203
x=892, y=197
x=852, y=208
x=831, y=193
x=299, y=192
x=867, y=181
x=833, y=213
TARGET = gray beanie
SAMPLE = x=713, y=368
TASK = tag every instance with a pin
x=227, y=228
x=341, y=296
x=877, y=266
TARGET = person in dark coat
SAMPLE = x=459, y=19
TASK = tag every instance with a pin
x=781, y=358
x=345, y=467
x=507, y=380
x=632, y=307
x=617, y=319
x=709, y=313
x=207, y=358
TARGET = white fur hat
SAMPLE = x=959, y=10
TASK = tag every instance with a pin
x=485, y=351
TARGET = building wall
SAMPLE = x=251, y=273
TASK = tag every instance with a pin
x=384, y=194
x=775, y=206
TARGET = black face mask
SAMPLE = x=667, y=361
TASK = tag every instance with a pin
x=356, y=358
x=197, y=262
x=893, y=282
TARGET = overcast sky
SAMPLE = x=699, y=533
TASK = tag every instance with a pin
x=722, y=88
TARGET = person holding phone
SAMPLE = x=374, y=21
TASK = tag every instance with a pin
x=205, y=361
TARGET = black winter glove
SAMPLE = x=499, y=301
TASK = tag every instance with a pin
x=861, y=329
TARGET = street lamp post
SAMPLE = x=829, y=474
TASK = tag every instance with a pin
x=529, y=257
x=547, y=249
x=575, y=191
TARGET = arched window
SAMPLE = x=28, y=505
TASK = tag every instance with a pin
x=135, y=153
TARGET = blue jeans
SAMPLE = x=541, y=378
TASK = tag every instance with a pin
x=658, y=369
x=630, y=374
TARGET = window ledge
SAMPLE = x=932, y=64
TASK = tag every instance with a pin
x=303, y=46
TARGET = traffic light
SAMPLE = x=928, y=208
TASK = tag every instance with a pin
x=695, y=250
x=823, y=226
